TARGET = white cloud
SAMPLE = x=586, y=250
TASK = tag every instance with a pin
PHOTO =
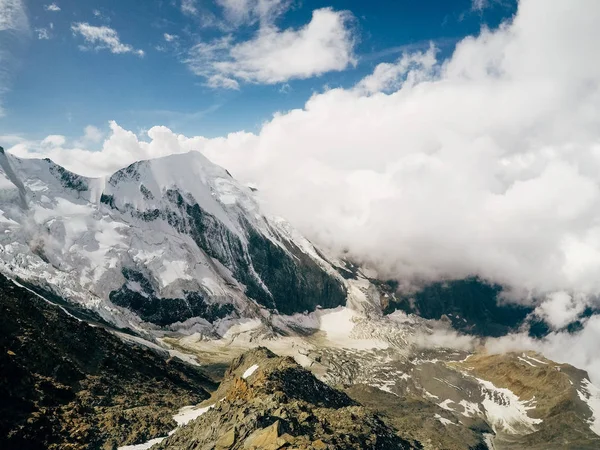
x=54, y=140
x=170, y=37
x=92, y=134
x=52, y=7
x=560, y=309
x=121, y=148
x=410, y=68
x=272, y=56
x=42, y=33
x=485, y=164
x=103, y=37
x=220, y=81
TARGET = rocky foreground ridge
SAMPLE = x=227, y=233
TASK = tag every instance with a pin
x=270, y=402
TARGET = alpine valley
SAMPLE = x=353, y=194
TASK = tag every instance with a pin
x=160, y=308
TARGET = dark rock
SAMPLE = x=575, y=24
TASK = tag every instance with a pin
x=66, y=384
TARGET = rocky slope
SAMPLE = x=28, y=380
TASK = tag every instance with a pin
x=67, y=385
x=268, y=402
x=410, y=372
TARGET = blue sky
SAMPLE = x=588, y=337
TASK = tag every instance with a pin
x=58, y=82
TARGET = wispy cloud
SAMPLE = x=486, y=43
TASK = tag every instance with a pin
x=423, y=45
x=189, y=7
x=14, y=27
x=240, y=12
x=52, y=7
x=42, y=33
x=103, y=38
x=12, y=16
x=479, y=5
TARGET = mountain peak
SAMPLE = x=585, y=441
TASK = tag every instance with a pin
x=164, y=241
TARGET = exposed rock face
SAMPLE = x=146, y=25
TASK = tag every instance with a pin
x=67, y=385
x=470, y=304
x=270, y=403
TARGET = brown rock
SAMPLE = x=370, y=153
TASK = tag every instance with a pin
x=319, y=445
x=226, y=441
x=266, y=438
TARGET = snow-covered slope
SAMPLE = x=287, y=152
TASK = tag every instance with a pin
x=169, y=240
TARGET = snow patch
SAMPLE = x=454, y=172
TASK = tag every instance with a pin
x=446, y=404
x=444, y=420
x=249, y=371
x=533, y=359
x=430, y=395
x=189, y=413
x=505, y=411
x=525, y=361
x=470, y=409
x=144, y=446
x=488, y=438
x=591, y=395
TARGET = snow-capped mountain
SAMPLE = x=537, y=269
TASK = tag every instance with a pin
x=164, y=241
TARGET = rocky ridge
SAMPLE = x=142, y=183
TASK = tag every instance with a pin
x=270, y=403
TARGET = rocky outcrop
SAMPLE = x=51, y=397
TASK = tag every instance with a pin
x=67, y=385
x=270, y=403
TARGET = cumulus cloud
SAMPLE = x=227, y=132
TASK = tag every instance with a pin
x=121, y=148
x=103, y=37
x=273, y=55
x=561, y=308
x=54, y=140
x=92, y=134
x=483, y=164
x=411, y=68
